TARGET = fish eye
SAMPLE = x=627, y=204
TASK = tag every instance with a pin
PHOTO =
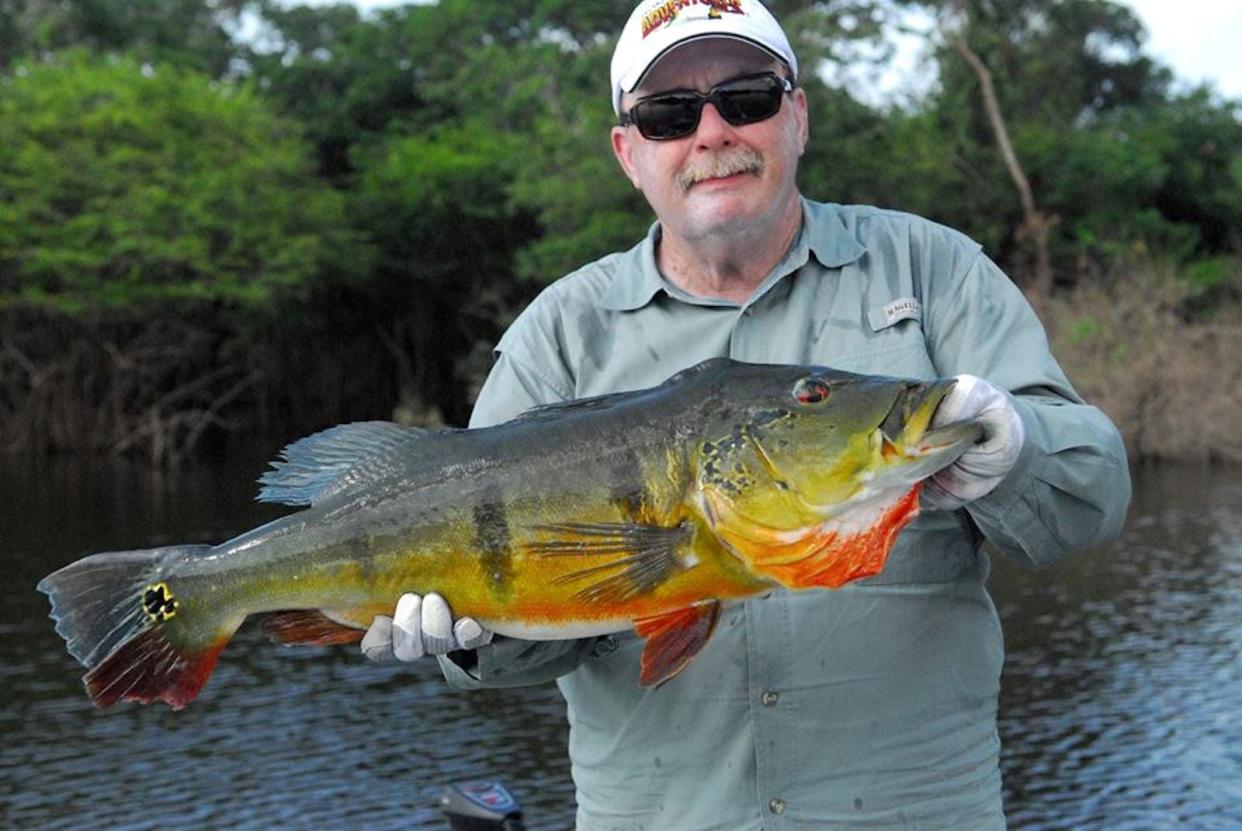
x=811, y=390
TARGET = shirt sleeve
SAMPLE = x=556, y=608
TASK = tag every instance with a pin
x=512, y=387
x=1071, y=485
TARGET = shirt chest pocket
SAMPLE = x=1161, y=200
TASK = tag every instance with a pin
x=888, y=341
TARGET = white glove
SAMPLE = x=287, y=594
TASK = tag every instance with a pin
x=421, y=626
x=982, y=467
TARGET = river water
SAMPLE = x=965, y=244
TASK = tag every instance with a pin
x=1121, y=705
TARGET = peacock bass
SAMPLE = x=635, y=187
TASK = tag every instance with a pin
x=640, y=510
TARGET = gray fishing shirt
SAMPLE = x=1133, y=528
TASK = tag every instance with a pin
x=873, y=706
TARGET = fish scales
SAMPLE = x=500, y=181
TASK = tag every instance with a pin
x=642, y=510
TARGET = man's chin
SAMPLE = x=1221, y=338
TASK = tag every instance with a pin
x=720, y=214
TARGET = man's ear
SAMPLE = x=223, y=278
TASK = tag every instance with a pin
x=623, y=149
x=800, y=115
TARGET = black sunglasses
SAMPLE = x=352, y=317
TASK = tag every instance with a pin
x=673, y=114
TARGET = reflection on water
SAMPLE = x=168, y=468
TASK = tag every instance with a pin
x=1121, y=706
x=1121, y=701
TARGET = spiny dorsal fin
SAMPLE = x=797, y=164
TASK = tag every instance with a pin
x=577, y=405
x=602, y=402
x=338, y=460
x=639, y=557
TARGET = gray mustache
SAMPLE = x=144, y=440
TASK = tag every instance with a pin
x=726, y=163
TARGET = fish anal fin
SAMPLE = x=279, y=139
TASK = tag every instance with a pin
x=673, y=639
x=148, y=668
x=620, y=560
x=308, y=627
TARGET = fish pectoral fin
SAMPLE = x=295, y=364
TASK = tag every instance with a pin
x=627, y=560
x=673, y=639
x=308, y=627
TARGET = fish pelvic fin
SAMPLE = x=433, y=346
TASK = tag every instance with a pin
x=308, y=627
x=673, y=639
x=122, y=617
x=621, y=560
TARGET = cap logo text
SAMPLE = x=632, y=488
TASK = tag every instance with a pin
x=668, y=10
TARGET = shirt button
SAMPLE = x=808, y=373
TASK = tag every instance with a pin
x=770, y=697
x=777, y=806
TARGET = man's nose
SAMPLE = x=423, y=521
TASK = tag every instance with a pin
x=713, y=130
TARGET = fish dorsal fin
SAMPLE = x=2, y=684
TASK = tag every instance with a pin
x=577, y=405
x=338, y=460
x=602, y=402
x=673, y=639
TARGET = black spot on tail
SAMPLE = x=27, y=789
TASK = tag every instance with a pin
x=159, y=603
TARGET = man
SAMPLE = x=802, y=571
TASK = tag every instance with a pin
x=873, y=706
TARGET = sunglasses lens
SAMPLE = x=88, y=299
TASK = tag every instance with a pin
x=667, y=116
x=748, y=100
x=741, y=101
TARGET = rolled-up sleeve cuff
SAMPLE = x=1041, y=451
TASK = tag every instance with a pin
x=1069, y=489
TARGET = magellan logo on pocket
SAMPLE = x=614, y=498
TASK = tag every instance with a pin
x=903, y=308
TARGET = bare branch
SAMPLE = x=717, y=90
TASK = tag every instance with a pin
x=1036, y=226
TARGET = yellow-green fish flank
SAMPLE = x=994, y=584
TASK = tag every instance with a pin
x=642, y=510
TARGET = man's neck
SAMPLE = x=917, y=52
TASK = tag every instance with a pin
x=728, y=267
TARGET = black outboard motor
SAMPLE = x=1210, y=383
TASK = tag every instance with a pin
x=481, y=806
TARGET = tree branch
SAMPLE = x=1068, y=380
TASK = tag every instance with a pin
x=1036, y=225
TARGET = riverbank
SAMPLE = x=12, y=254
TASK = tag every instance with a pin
x=1158, y=351
x=1161, y=355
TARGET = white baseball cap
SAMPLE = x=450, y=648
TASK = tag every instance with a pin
x=656, y=27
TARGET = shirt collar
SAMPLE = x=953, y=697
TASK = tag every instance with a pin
x=629, y=290
x=832, y=243
x=823, y=234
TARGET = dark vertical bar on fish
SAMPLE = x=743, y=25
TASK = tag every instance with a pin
x=491, y=531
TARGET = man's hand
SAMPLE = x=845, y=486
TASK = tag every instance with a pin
x=421, y=626
x=982, y=467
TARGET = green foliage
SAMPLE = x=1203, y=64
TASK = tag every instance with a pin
x=391, y=187
x=1084, y=329
x=191, y=33
x=1052, y=62
x=437, y=208
x=342, y=78
x=568, y=177
x=1124, y=164
x=126, y=184
x=1212, y=272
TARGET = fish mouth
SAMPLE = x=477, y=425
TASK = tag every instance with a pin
x=906, y=430
x=909, y=417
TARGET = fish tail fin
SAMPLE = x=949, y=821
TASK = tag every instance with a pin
x=122, y=617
